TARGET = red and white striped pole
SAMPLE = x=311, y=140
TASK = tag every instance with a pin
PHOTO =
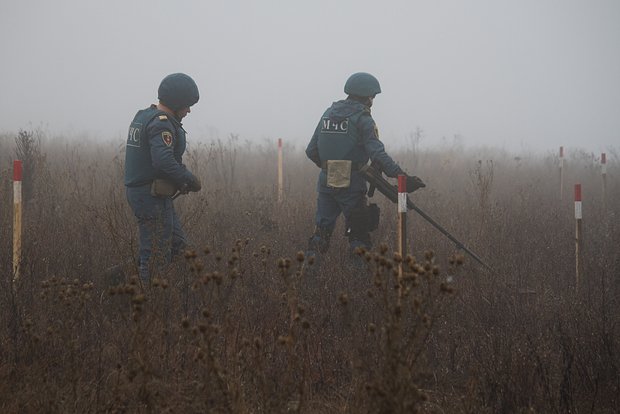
x=402, y=228
x=577, y=234
x=561, y=172
x=17, y=218
x=280, y=172
x=604, y=176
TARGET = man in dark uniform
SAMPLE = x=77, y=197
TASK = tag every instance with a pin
x=344, y=140
x=154, y=171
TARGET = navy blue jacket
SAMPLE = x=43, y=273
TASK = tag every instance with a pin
x=347, y=131
x=156, y=143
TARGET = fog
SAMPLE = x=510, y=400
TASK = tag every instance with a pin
x=528, y=74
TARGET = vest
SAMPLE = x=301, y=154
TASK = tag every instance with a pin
x=340, y=140
x=138, y=162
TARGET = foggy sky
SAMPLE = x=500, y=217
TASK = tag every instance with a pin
x=531, y=74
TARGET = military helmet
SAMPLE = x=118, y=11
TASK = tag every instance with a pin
x=362, y=84
x=178, y=91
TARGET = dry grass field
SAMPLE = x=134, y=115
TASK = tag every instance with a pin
x=242, y=324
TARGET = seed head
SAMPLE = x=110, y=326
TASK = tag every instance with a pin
x=383, y=248
x=446, y=288
x=138, y=299
x=284, y=339
x=300, y=256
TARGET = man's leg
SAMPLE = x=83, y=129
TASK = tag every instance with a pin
x=327, y=212
x=355, y=210
x=155, y=225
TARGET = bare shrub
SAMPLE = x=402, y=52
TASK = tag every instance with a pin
x=243, y=323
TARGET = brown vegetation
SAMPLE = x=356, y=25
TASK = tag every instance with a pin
x=240, y=324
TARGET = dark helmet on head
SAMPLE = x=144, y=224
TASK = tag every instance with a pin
x=362, y=84
x=178, y=91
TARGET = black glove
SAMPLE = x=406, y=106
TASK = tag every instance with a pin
x=194, y=184
x=414, y=183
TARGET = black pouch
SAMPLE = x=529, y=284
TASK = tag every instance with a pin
x=374, y=212
x=163, y=188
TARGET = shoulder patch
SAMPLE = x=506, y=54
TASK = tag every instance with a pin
x=166, y=136
x=163, y=118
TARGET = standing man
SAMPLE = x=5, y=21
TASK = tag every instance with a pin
x=154, y=171
x=344, y=140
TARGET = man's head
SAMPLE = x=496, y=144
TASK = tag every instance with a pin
x=362, y=84
x=178, y=92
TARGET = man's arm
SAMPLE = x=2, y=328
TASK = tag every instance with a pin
x=375, y=148
x=312, y=150
x=161, y=140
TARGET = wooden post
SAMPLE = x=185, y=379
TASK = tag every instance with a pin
x=402, y=228
x=561, y=173
x=577, y=235
x=604, y=176
x=280, y=172
x=17, y=219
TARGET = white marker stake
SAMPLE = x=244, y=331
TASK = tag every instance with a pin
x=577, y=234
x=280, y=175
x=402, y=228
x=604, y=176
x=561, y=173
x=17, y=218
